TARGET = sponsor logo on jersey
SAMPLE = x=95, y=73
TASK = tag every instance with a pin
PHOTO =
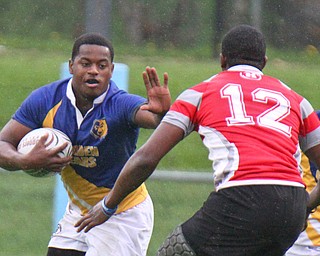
x=250, y=75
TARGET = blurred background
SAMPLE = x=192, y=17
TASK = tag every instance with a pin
x=162, y=24
x=181, y=37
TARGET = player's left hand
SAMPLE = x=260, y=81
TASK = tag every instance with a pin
x=159, y=99
x=93, y=218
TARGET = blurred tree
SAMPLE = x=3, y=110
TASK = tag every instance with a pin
x=219, y=25
x=98, y=17
x=229, y=13
x=292, y=23
x=42, y=18
x=168, y=23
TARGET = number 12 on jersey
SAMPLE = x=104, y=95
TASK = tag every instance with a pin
x=270, y=118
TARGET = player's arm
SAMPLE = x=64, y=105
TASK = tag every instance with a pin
x=159, y=100
x=39, y=157
x=142, y=164
x=314, y=155
x=138, y=168
x=10, y=136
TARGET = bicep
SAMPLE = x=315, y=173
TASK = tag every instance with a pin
x=163, y=139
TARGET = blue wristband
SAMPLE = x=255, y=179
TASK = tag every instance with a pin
x=107, y=211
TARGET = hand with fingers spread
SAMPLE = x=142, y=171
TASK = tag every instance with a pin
x=159, y=99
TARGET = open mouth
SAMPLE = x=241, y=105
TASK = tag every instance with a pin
x=92, y=82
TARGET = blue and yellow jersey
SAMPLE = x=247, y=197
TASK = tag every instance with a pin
x=103, y=139
x=311, y=236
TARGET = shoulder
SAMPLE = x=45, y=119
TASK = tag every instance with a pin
x=56, y=87
x=46, y=97
x=123, y=97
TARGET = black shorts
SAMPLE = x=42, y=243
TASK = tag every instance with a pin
x=248, y=220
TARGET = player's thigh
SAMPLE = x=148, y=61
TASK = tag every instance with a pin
x=126, y=233
x=66, y=235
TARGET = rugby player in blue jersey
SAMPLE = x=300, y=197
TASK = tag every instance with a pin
x=103, y=124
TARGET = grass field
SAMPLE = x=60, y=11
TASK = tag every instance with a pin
x=26, y=202
x=26, y=211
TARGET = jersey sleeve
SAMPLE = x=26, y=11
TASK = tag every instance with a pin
x=129, y=105
x=183, y=111
x=310, y=134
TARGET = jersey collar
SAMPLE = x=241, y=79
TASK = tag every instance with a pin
x=245, y=68
x=72, y=97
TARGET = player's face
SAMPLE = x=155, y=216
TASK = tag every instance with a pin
x=91, y=69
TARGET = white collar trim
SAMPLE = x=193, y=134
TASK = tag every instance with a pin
x=71, y=96
x=245, y=68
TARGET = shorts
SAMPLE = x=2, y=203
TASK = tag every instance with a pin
x=303, y=250
x=261, y=220
x=126, y=233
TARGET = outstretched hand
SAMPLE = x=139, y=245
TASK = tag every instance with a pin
x=159, y=99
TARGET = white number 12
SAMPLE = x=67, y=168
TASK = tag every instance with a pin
x=271, y=118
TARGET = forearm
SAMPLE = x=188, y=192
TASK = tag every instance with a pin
x=156, y=120
x=314, y=197
x=148, y=120
x=10, y=159
x=135, y=172
x=144, y=161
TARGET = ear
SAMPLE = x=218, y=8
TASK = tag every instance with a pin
x=70, y=66
x=223, y=62
x=264, y=62
x=112, y=68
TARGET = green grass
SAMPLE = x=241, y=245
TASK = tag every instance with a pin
x=26, y=211
x=174, y=203
x=26, y=202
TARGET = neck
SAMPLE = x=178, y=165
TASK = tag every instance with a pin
x=84, y=106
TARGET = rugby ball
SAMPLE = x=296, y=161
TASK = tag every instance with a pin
x=55, y=138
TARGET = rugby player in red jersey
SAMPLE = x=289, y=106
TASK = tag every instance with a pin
x=253, y=126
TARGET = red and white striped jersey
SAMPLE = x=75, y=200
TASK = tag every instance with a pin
x=252, y=124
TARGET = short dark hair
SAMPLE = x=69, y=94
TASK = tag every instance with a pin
x=244, y=44
x=91, y=38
